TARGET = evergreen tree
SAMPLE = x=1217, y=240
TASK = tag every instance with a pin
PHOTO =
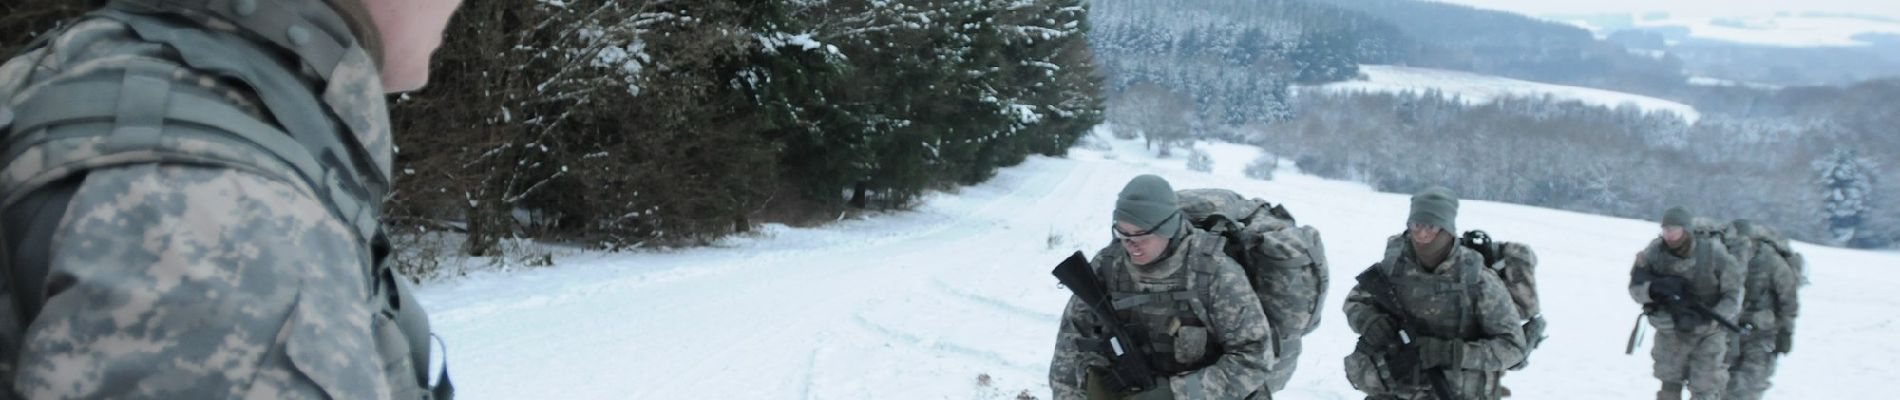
x=1847, y=193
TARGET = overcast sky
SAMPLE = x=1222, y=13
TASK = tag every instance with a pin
x=1889, y=8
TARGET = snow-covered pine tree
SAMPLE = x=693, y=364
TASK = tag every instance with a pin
x=1846, y=182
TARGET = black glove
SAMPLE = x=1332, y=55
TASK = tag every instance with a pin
x=1403, y=362
x=1784, y=341
x=1668, y=289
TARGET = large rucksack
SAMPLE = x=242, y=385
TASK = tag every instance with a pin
x=1736, y=241
x=1773, y=239
x=1285, y=263
x=1516, y=265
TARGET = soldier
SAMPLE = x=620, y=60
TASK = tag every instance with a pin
x=1690, y=287
x=1204, y=331
x=1769, y=307
x=192, y=196
x=1433, y=323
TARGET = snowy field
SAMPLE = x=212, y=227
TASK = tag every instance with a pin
x=1477, y=88
x=920, y=304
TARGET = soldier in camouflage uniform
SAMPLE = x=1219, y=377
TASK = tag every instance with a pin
x=1769, y=306
x=1673, y=277
x=1205, y=331
x=1433, y=323
x=192, y=196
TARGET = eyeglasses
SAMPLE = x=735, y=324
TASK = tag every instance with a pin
x=1119, y=235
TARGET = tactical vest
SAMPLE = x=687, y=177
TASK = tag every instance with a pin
x=1178, y=337
x=1698, y=269
x=1442, y=303
x=291, y=54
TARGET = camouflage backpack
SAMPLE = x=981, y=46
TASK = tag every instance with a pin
x=1516, y=265
x=1773, y=239
x=1285, y=263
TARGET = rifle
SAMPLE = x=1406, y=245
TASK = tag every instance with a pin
x=1386, y=297
x=1129, y=369
x=1699, y=308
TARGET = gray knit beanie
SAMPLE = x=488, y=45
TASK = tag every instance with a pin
x=1149, y=202
x=1435, y=206
x=1678, y=217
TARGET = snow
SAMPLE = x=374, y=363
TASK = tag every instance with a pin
x=919, y=304
x=1784, y=31
x=1709, y=81
x=1761, y=22
x=1478, y=88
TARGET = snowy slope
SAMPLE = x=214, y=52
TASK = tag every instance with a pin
x=917, y=305
x=1480, y=88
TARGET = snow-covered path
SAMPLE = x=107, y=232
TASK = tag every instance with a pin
x=917, y=305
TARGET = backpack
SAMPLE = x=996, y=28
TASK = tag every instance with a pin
x=1516, y=265
x=1773, y=239
x=1285, y=263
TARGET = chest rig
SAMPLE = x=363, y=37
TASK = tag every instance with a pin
x=1172, y=313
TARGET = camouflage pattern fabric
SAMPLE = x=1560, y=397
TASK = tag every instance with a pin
x=1691, y=349
x=197, y=280
x=1770, y=305
x=1233, y=319
x=1289, y=270
x=1470, y=326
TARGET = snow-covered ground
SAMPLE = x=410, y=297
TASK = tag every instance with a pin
x=919, y=304
x=1480, y=88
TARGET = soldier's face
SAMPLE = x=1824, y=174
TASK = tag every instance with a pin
x=411, y=30
x=1142, y=247
x=1422, y=234
x=1672, y=234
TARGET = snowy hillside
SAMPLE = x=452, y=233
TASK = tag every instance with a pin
x=919, y=305
x=1480, y=88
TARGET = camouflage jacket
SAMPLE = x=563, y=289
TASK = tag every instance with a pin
x=213, y=269
x=1232, y=319
x=1457, y=301
x=1713, y=275
x=1769, y=300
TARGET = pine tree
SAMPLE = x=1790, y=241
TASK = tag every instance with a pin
x=1846, y=182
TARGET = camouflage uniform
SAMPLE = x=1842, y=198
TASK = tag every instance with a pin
x=1769, y=305
x=1199, y=305
x=193, y=260
x=1470, y=326
x=1690, y=347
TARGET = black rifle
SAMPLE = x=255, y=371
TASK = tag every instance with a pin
x=1386, y=297
x=1129, y=369
x=1691, y=304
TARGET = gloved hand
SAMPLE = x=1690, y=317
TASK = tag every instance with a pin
x=1403, y=363
x=1534, y=331
x=1439, y=353
x=1668, y=289
x=1381, y=332
x=1784, y=341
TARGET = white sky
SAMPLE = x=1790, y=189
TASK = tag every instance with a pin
x=1708, y=8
